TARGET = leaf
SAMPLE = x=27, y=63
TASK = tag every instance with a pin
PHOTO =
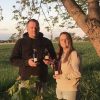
x=13, y=89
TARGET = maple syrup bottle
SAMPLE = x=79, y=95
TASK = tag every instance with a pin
x=35, y=55
x=46, y=54
x=55, y=67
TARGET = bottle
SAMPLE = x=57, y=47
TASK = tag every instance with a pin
x=55, y=67
x=46, y=54
x=35, y=59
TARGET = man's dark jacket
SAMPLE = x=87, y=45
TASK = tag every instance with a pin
x=23, y=50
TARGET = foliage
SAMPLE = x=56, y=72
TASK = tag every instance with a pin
x=51, y=11
x=89, y=83
x=8, y=74
x=12, y=38
x=24, y=90
x=86, y=38
x=1, y=17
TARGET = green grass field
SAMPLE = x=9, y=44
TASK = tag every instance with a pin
x=89, y=84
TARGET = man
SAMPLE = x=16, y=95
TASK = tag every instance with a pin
x=22, y=54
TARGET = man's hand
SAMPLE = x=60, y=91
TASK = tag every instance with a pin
x=47, y=62
x=32, y=63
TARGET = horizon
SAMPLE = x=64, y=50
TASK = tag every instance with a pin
x=77, y=31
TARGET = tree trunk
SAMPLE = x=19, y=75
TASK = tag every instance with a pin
x=93, y=9
x=89, y=24
x=94, y=24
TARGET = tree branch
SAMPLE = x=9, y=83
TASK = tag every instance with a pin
x=46, y=18
x=77, y=13
x=93, y=9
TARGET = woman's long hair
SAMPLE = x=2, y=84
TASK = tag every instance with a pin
x=70, y=49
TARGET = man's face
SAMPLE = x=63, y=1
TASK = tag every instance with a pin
x=32, y=29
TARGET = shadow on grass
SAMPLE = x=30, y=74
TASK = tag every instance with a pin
x=90, y=82
x=89, y=88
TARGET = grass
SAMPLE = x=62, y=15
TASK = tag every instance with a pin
x=89, y=84
x=7, y=72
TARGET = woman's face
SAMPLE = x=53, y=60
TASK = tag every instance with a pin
x=64, y=43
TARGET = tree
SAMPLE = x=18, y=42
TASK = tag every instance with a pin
x=85, y=38
x=1, y=17
x=89, y=23
x=86, y=14
x=52, y=13
x=12, y=38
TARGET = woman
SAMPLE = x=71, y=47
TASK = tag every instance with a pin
x=68, y=78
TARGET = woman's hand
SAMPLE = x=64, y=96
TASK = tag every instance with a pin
x=56, y=76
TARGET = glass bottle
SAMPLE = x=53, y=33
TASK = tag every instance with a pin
x=46, y=54
x=35, y=55
x=55, y=67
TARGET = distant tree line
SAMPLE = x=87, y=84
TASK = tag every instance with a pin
x=14, y=37
x=75, y=38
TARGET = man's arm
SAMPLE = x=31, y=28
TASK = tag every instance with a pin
x=16, y=56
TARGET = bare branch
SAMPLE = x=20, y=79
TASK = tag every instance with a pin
x=76, y=12
x=93, y=9
x=46, y=17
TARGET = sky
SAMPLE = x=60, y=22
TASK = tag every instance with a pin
x=7, y=25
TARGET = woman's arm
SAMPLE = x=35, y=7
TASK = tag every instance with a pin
x=74, y=66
